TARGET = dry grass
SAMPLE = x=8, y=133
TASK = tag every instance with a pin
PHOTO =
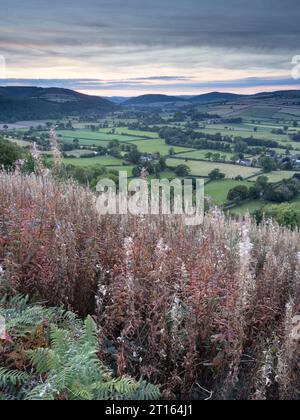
x=205, y=312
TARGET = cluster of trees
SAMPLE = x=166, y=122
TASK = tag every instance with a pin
x=9, y=154
x=233, y=120
x=216, y=175
x=89, y=175
x=285, y=214
x=175, y=136
x=196, y=115
x=152, y=168
x=199, y=140
x=251, y=141
x=295, y=137
x=12, y=156
x=287, y=190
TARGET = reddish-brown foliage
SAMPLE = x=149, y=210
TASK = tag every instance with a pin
x=206, y=312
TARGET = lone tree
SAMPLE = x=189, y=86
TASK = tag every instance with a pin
x=182, y=170
x=215, y=175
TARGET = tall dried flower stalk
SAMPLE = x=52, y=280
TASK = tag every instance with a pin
x=203, y=311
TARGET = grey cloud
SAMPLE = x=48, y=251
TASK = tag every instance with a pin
x=137, y=36
x=98, y=85
x=230, y=23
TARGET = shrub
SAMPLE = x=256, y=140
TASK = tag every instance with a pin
x=215, y=174
x=49, y=240
x=238, y=193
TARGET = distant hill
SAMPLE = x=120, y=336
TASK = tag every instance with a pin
x=153, y=99
x=34, y=103
x=210, y=98
x=280, y=94
x=117, y=99
x=148, y=100
x=215, y=97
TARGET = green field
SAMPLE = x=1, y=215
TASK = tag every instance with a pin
x=91, y=135
x=78, y=153
x=98, y=160
x=204, y=168
x=86, y=142
x=134, y=133
x=249, y=207
x=218, y=190
x=157, y=146
x=278, y=176
x=245, y=131
x=200, y=154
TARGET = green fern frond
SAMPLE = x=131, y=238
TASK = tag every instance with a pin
x=12, y=377
x=70, y=367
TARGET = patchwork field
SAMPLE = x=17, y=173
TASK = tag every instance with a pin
x=200, y=154
x=245, y=131
x=135, y=133
x=218, y=190
x=249, y=207
x=78, y=153
x=278, y=176
x=91, y=135
x=204, y=168
x=98, y=160
x=157, y=146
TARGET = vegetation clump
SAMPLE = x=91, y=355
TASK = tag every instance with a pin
x=206, y=311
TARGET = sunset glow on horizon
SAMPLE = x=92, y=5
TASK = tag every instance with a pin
x=134, y=47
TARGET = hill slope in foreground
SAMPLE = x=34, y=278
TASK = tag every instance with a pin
x=202, y=312
x=30, y=103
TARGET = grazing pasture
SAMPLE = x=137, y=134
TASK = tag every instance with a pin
x=92, y=135
x=157, y=146
x=245, y=131
x=278, y=176
x=218, y=190
x=201, y=154
x=97, y=160
x=204, y=168
x=128, y=132
x=249, y=207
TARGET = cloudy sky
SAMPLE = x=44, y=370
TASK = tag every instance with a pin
x=132, y=47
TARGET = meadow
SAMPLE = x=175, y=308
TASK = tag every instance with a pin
x=98, y=160
x=247, y=208
x=202, y=168
x=157, y=146
x=92, y=135
x=128, y=132
x=277, y=176
x=201, y=154
x=245, y=131
x=217, y=191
